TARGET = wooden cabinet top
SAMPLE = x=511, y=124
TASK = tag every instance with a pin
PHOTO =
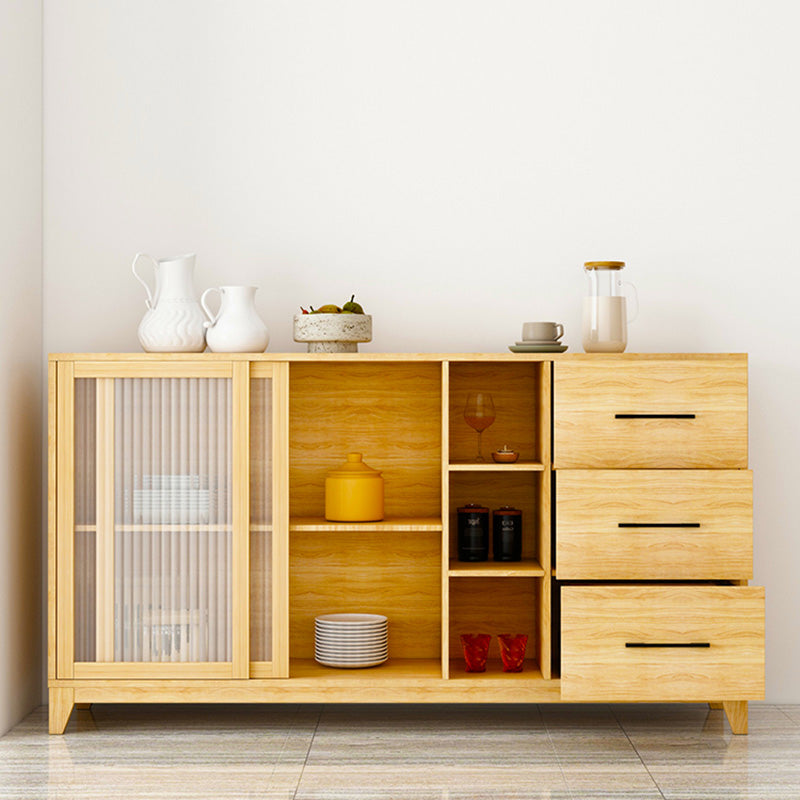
x=366, y=357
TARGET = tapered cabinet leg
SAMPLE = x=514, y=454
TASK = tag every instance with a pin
x=715, y=706
x=61, y=701
x=736, y=712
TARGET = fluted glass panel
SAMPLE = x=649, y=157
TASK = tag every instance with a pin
x=85, y=518
x=172, y=512
x=261, y=519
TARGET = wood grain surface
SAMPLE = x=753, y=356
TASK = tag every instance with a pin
x=303, y=413
x=492, y=489
x=392, y=574
x=591, y=504
x=598, y=621
x=588, y=395
x=493, y=606
x=514, y=389
x=391, y=413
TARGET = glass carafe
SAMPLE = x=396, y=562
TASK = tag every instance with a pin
x=605, y=315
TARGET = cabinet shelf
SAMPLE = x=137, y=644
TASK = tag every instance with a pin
x=494, y=671
x=171, y=527
x=320, y=524
x=527, y=568
x=491, y=466
x=400, y=669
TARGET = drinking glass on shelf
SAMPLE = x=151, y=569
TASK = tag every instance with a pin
x=512, y=650
x=479, y=415
x=476, y=648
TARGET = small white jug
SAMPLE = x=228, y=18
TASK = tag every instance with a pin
x=174, y=320
x=236, y=327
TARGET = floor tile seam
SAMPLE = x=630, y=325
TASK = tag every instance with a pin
x=793, y=721
x=295, y=726
x=636, y=750
x=555, y=751
x=308, y=752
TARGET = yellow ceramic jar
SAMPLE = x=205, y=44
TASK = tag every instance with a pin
x=354, y=492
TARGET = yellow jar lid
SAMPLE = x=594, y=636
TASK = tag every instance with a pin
x=354, y=467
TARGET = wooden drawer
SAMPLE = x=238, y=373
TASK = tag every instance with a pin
x=654, y=524
x=688, y=643
x=618, y=412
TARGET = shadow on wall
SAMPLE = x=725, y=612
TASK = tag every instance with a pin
x=21, y=544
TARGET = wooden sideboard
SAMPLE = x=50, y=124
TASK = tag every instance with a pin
x=189, y=553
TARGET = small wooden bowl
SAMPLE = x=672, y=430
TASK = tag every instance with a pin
x=508, y=457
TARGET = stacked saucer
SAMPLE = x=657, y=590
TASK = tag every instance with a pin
x=537, y=346
x=351, y=640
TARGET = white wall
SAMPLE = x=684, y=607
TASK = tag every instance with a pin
x=21, y=547
x=453, y=162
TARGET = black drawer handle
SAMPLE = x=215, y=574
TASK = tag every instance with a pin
x=654, y=416
x=667, y=644
x=658, y=524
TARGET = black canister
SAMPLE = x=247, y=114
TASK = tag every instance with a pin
x=507, y=534
x=473, y=533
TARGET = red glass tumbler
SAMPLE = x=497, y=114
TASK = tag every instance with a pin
x=476, y=648
x=512, y=650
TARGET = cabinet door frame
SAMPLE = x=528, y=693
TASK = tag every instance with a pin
x=105, y=372
x=278, y=373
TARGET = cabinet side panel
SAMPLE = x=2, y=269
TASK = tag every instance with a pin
x=65, y=521
x=52, y=506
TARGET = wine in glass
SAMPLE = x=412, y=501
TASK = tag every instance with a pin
x=479, y=415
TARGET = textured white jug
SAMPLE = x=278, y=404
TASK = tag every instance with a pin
x=174, y=320
x=236, y=327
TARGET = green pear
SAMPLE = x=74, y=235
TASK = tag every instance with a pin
x=353, y=307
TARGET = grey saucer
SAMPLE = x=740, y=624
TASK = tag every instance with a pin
x=537, y=348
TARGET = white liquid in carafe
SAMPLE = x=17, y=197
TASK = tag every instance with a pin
x=605, y=324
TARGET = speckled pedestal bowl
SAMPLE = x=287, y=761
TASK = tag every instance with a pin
x=333, y=333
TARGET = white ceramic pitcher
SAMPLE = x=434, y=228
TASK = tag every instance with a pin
x=174, y=320
x=236, y=327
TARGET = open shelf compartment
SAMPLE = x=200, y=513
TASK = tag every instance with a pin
x=495, y=605
x=516, y=389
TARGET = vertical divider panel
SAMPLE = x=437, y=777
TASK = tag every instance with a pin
x=545, y=520
x=65, y=525
x=445, y=512
x=280, y=521
x=240, y=613
x=104, y=559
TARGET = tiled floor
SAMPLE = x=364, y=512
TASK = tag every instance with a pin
x=349, y=752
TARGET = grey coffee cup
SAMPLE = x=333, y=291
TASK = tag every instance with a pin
x=542, y=331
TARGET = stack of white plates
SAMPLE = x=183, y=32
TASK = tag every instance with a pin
x=351, y=640
x=169, y=498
